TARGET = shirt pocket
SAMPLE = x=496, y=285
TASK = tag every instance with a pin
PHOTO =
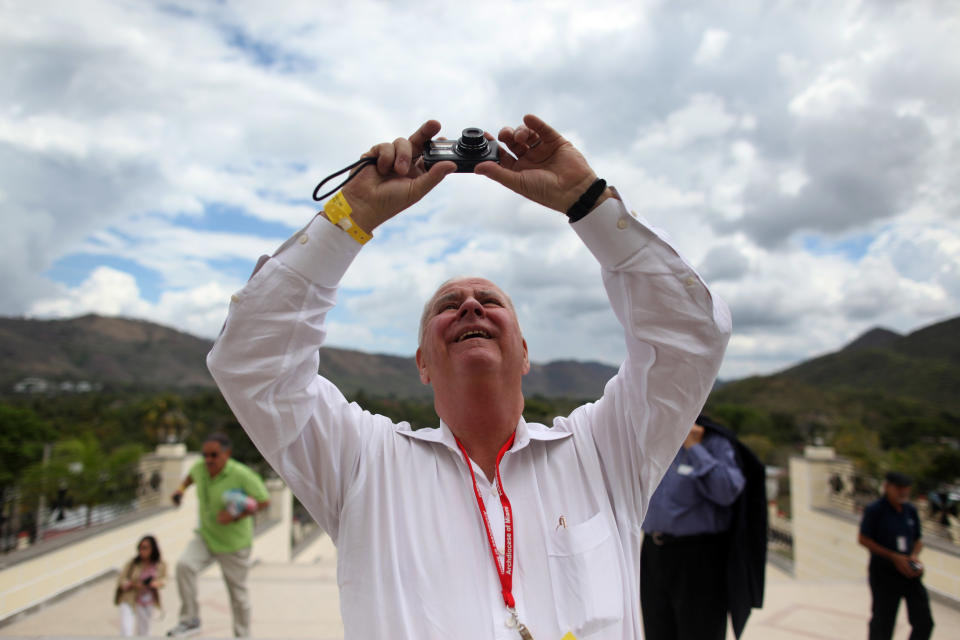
x=585, y=576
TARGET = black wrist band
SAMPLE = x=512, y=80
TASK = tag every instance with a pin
x=583, y=206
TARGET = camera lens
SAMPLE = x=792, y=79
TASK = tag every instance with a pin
x=472, y=141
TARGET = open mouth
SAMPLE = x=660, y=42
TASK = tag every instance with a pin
x=473, y=333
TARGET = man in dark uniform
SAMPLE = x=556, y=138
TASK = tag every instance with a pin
x=686, y=577
x=890, y=529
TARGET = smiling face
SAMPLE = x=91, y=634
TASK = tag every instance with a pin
x=469, y=327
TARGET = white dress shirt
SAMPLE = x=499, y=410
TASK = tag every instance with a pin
x=414, y=560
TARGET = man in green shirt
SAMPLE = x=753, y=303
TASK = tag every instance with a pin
x=227, y=492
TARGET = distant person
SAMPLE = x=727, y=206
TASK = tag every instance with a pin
x=227, y=493
x=138, y=588
x=704, y=543
x=890, y=529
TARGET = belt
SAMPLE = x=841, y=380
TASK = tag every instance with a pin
x=661, y=539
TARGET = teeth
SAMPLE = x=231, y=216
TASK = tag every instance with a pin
x=476, y=333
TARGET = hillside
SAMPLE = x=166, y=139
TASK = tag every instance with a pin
x=922, y=366
x=112, y=351
x=121, y=353
x=885, y=400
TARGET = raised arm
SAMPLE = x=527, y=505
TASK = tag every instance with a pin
x=675, y=329
x=265, y=360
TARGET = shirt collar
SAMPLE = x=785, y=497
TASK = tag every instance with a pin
x=524, y=434
x=227, y=468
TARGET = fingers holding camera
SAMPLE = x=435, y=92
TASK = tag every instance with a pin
x=548, y=168
x=540, y=131
x=385, y=153
x=403, y=156
x=398, y=182
x=425, y=182
x=506, y=137
x=518, y=147
x=400, y=155
x=419, y=138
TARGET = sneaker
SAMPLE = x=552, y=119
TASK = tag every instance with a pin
x=185, y=628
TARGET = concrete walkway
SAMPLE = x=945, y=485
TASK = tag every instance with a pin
x=299, y=600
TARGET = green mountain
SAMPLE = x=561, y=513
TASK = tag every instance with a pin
x=923, y=366
x=126, y=354
x=885, y=400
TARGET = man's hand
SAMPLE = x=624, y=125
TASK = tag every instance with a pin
x=177, y=497
x=397, y=181
x=224, y=517
x=694, y=437
x=902, y=563
x=545, y=166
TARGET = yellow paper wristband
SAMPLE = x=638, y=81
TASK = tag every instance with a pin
x=338, y=212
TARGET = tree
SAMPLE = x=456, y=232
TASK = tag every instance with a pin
x=164, y=420
x=79, y=471
x=22, y=435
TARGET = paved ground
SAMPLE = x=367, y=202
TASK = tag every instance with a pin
x=299, y=600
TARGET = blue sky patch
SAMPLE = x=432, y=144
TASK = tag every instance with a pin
x=239, y=268
x=231, y=219
x=263, y=53
x=853, y=248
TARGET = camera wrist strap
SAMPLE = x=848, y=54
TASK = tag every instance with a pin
x=361, y=163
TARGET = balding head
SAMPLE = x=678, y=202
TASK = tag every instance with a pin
x=429, y=307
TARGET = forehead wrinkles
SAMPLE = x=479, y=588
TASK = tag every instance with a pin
x=458, y=295
x=452, y=290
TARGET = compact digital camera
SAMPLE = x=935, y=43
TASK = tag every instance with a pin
x=468, y=151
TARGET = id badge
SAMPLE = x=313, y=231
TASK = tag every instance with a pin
x=902, y=544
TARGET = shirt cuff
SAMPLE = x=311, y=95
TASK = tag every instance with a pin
x=703, y=460
x=612, y=232
x=321, y=252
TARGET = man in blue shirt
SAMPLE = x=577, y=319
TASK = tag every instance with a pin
x=683, y=586
x=890, y=529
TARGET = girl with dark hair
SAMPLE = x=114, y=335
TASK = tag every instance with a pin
x=138, y=588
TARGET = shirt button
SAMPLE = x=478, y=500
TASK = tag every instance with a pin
x=234, y=298
x=622, y=223
x=633, y=213
x=303, y=238
x=691, y=281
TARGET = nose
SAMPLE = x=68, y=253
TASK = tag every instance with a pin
x=470, y=306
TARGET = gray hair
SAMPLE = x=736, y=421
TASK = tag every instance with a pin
x=220, y=438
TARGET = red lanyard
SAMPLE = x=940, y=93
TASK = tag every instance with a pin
x=505, y=572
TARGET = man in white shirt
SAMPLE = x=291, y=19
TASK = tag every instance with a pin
x=486, y=526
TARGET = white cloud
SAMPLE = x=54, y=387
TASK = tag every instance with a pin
x=107, y=291
x=741, y=133
x=703, y=117
x=712, y=46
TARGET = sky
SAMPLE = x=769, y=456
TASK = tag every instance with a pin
x=803, y=156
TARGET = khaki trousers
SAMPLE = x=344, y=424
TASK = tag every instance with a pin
x=234, y=567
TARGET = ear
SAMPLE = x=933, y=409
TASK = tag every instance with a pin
x=422, y=367
x=526, y=357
